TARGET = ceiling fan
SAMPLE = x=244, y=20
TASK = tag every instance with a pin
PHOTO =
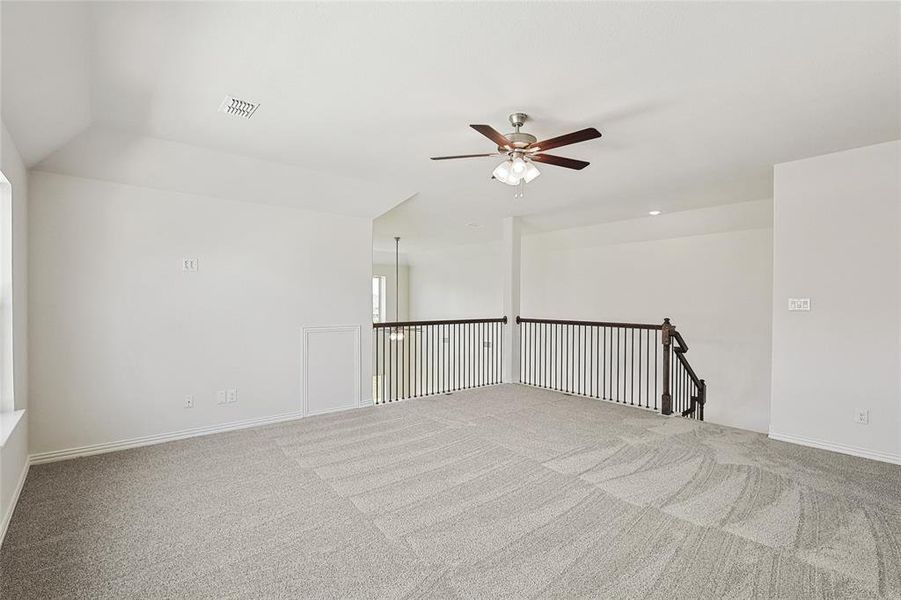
x=523, y=150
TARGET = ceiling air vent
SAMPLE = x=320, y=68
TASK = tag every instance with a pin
x=237, y=107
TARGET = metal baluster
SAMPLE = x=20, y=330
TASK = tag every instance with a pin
x=461, y=356
x=467, y=350
x=647, y=369
x=420, y=332
x=544, y=354
x=386, y=368
x=464, y=362
x=615, y=355
x=455, y=341
x=499, y=367
x=570, y=356
x=469, y=364
x=561, y=358
x=394, y=370
x=632, y=368
x=501, y=363
x=589, y=390
x=483, y=357
x=656, y=372
x=533, y=374
x=595, y=362
x=580, y=370
x=638, y=374
x=604, y=359
x=469, y=331
x=553, y=356
x=407, y=342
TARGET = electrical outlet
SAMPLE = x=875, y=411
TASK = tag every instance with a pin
x=189, y=401
x=189, y=264
x=231, y=395
x=799, y=304
x=862, y=416
x=221, y=397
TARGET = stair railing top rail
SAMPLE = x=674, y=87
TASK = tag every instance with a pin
x=437, y=322
x=591, y=323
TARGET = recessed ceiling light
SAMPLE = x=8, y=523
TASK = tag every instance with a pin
x=237, y=107
x=653, y=213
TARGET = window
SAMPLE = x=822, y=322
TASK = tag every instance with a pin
x=7, y=403
x=378, y=299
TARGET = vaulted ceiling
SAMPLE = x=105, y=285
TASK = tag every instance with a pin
x=696, y=101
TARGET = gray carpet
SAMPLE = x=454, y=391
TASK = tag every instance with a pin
x=503, y=492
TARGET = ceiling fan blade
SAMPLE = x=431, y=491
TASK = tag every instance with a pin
x=564, y=140
x=559, y=161
x=464, y=156
x=493, y=134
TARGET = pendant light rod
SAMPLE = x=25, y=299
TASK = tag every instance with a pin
x=396, y=278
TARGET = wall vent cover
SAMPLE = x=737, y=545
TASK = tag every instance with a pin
x=238, y=108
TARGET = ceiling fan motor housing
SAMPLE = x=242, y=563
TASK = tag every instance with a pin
x=518, y=140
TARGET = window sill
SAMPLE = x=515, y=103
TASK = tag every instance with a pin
x=8, y=423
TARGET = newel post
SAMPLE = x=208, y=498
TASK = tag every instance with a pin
x=666, y=400
x=702, y=393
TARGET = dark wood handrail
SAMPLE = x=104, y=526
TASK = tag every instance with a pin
x=680, y=350
x=683, y=347
x=680, y=347
x=590, y=323
x=438, y=322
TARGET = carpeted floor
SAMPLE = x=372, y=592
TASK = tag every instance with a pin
x=502, y=492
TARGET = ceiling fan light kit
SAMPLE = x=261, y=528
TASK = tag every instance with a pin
x=523, y=150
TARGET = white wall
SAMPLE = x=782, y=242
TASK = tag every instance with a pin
x=120, y=334
x=714, y=282
x=14, y=385
x=457, y=282
x=836, y=234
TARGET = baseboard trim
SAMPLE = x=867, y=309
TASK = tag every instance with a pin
x=55, y=455
x=840, y=448
x=7, y=518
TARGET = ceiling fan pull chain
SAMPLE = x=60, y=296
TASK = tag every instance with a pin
x=521, y=192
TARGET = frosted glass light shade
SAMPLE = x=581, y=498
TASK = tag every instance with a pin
x=503, y=171
x=531, y=172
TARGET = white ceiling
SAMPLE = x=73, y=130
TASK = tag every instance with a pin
x=696, y=101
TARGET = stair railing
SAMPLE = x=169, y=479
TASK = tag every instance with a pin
x=685, y=392
x=422, y=358
x=639, y=364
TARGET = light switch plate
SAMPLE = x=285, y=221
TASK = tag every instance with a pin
x=221, y=397
x=189, y=264
x=231, y=395
x=862, y=416
x=802, y=304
